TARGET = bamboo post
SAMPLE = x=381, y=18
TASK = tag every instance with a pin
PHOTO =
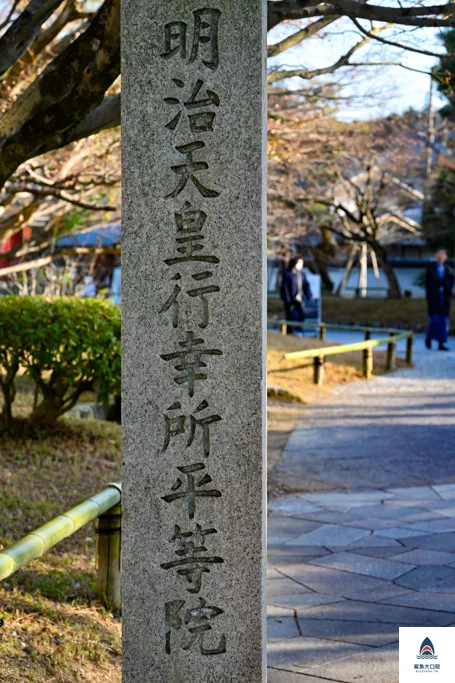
x=284, y=328
x=391, y=362
x=410, y=348
x=318, y=365
x=367, y=335
x=322, y=332
x=368, y=363
x=109, y=578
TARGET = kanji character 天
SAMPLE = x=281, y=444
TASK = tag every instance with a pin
x=190, y=361
x=194, y=488
x=192, y=563
x=196, y=621
x=188, y=169
x=200, y=121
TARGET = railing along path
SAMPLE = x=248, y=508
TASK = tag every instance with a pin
x=319, y=354
x=104, y=506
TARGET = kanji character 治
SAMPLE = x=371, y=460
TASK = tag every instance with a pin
x=190, y=361
x=188, y=169
x=205, y=38
x=194, y=488
x=175, y=426
x=200, y=121
x=191, y=563
x=196, y=621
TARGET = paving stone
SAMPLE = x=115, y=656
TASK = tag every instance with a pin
x=280, y=611
x=282, y=627
x=397, y=532
x=408, y=515
x=300, y=551
x=376, y=665
x=273, y=574
x=446, y=491
x=375, y=542
x=357, y=632
x=379, y=594
x=298, y=653
x=352, y=610
x=283, y=555
x=331, y=581
x=329, y=517
x=348, y=499
x=330, y=536
x=415, y=492
x=385, y=551
x=289, y=525
x=444, y=542
x=371, y=523
x=278, y=676
x=359, y=564
x=425, y=556
x=388, y=511
x=300, y=600
x=429, y=579
x=291, y=506
x=434, y=526
x=424, y=600
x=284, y=586
x=446, y=509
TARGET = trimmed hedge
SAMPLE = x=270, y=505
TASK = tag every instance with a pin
x=65, y=345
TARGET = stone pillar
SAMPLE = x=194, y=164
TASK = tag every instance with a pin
x=193, y=263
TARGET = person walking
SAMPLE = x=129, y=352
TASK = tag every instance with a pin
x=294, y=289
x=439, y=284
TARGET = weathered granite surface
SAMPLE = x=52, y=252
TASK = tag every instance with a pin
x=194, y=345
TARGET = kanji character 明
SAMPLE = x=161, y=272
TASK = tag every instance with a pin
x=176, y=425
x=205, y=38
x=192, y=562
x=190, y=361
x=198, y=292
x=200, y=121
x=195, y=622
x=195, y=488
x=187, y=171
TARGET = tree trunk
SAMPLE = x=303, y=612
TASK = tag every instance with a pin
x=392, y=280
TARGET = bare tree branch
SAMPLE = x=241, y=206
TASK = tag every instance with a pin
x=17, y=38
x=299, y=36
x=391, y=42
x=65, y=93
x=443, y=15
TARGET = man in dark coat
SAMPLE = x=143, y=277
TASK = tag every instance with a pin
x=294, y=289
x=439, y=285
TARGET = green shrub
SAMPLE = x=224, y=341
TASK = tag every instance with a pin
x=65, y=345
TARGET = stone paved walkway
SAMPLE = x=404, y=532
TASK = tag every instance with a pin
x=365, y=541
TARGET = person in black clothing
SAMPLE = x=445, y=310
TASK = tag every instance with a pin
x=294, y=289
x=439, y=285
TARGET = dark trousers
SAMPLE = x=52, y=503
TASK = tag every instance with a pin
x=438, y=328
x=294, y=311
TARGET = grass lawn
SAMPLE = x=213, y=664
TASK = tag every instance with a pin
x=55, y=629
